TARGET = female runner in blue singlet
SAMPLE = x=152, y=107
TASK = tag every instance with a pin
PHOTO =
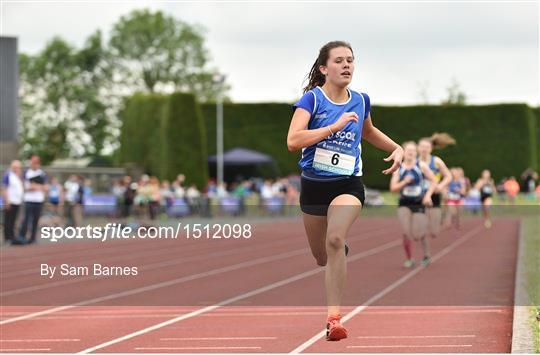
x=413, y=199
x=442, y=175
x=328, y=124
x=454, y=198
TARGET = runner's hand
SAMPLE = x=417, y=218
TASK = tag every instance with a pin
x=426, y=201
x=408, y=179
x=397, y=157
x=343, y=120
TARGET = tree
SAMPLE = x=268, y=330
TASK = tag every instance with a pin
x=72, y=96
x=63, y=112
x=455, y=95
x=154, y=52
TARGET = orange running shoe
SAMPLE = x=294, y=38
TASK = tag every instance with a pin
x=334, y=330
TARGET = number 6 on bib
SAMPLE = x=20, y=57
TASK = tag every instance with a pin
x=338, y=163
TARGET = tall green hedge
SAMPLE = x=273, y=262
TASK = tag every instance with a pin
x=262, y=127
x=498, y=137
x=165, y=135
x=184, y=140
x=141, y=120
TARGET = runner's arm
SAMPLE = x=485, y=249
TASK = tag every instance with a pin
x=379, y=140
x=430, y=176
x=447, y=176
x=299, y=135
x=395, y=184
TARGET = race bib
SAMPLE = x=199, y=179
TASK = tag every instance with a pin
x=454, y=196
x=412, y=191
x=487, y=189
x=425, y=184
x=333, y=161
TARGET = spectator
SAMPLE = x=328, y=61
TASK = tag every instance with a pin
x=154, y=197
x=56, y=196
x=118, y=189
x=529, y=179
x=193, y=196
x=129, y=195
x=501, y=192
x=278, y=188
x=87, y=187
x=292, y=195
x=144, y=194
x=35, y=183
x=211, y=188
x=12, y=193
x=178, y=188
x=511, y=186
x=222, y=190
x=192, y=192
x=167, y=194
x=266, y=190
x=73, y=197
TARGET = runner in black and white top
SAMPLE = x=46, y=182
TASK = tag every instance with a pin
x=442, y=176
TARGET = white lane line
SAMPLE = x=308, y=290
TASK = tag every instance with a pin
x=25, y=350
x=157, y=252
x=203, y=348
x=415, y=336
x=167, y=283
x=156, y=286
x=37, y=340
x=389, y=288
x=239, y=297
x=441, y=311
x=161, y=250
x=220, y=338
x=409, y=346
x=238, y=314
x=153, y=266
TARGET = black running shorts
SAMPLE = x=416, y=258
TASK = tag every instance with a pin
x=415, y=205
x=315, y=196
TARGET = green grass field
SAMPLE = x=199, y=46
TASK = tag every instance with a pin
x=391, y=198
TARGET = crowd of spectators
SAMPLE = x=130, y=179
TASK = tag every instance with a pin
x=26, y=193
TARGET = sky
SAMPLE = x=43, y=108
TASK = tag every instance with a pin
x=406, y=52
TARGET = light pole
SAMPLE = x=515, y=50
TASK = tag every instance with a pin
x=219, y=79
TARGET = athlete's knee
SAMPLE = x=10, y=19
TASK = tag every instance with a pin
x=418, y=235
x=335, y=241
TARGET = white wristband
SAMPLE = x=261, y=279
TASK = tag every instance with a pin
x=330, y=130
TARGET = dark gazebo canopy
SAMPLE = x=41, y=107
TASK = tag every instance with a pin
x=242, y=156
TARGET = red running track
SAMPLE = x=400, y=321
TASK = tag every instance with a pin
x=264, y=295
